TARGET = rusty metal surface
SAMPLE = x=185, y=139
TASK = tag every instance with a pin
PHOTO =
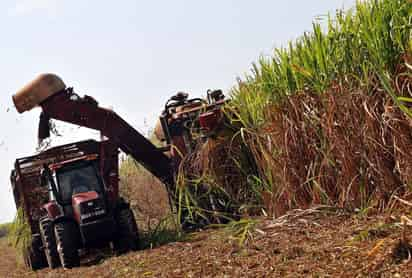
x=194, y=110
x=190, y=111
x=210, y=120
x=186, y=121
x=27, y=180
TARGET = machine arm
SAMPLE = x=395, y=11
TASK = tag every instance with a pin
x=68, y=107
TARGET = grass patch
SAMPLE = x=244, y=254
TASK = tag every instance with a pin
x=19, y=234
x=241, y=231
x=361, y=48
x=326, y=118
x=166, y=231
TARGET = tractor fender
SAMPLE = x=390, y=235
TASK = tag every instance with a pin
x=52, y=210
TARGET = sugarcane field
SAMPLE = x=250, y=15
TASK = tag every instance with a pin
x=206, y=139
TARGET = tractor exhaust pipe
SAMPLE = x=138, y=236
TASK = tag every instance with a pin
x=38, y=90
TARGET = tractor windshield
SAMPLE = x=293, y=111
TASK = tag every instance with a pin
x=78, y=178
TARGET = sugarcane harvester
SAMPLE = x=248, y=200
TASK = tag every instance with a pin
x=69, y=194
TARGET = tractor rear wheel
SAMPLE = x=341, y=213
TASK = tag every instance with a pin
x=127, y=233
x=66, y=238
x=33, y=256
x=49, y=242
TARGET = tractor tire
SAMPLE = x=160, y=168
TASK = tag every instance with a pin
x=49, y=242
x=66, y=238
x=33, y=256
x=127, y=233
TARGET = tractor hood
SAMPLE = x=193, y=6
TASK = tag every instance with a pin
x=84, y=197
x=87, y=206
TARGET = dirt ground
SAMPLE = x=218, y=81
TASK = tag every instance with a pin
x=321, y=242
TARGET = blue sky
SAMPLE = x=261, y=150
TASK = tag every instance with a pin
x=131, y=55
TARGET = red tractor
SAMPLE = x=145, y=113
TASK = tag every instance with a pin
x=71, y=200
x=69, y=194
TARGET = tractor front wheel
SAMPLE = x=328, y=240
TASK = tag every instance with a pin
x=66, y=238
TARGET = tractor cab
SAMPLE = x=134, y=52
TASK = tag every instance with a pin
x=78, y=176
x=77, y=188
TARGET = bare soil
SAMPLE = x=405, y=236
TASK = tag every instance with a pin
x=305, y=243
